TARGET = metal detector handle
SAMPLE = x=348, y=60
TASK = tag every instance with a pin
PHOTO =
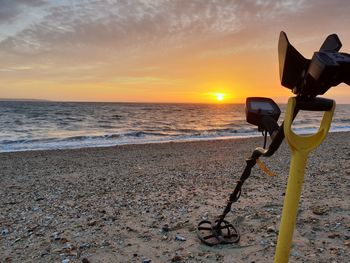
x=301, y=146
x=309, y=142
x=314, y=104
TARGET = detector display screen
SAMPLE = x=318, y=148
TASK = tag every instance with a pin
x=262, y=112
x=261, y=105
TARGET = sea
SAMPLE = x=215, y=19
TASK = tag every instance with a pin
x=43, y=125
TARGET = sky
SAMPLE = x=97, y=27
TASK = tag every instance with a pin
x=159, y=50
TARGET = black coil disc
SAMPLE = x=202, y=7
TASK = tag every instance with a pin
x=212, y=233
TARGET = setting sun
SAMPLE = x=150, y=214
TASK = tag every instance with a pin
x=220, y=96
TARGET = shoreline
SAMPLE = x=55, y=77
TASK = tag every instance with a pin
x=190, y=140
x=143, y=143
x=110, y=204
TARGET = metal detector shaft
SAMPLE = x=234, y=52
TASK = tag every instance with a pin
x=221, y=231
x=258, y=152
x=301, y=146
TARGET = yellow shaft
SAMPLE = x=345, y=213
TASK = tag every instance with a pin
x=301, y=146
x=290, y=206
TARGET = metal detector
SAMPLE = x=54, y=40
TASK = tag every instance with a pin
x=307, y=78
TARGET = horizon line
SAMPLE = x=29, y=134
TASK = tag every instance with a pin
x=131, y=102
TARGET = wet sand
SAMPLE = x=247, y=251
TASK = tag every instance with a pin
x=128, y=203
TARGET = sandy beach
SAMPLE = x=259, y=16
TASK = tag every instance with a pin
x=114, y=204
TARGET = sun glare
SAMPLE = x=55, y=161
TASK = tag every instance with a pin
x=220, y=96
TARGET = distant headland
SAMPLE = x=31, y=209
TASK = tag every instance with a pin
x=14, y=99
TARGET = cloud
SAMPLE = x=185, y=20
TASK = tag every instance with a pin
x=10, y=9
x=158, y=42
x=118, y=23
x=122, y=31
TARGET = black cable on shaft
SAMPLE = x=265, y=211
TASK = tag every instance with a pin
x=265, y=138
x=276, y=142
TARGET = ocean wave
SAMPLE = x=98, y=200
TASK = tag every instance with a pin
x=341, y=120
x=57, y=140
x=139, y=134
x=107, y=126
x=39, y=126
